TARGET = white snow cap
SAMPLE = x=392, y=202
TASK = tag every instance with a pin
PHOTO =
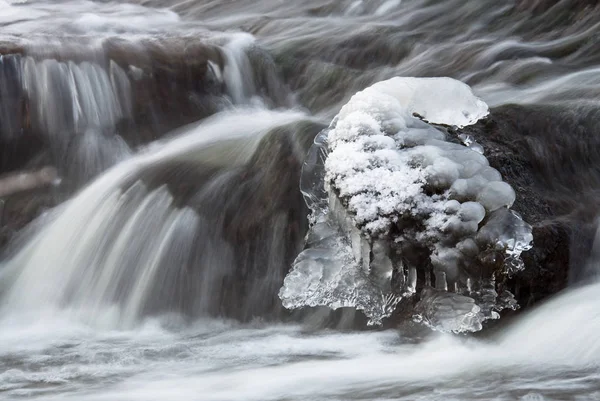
x=437, y=100
x=382, y=158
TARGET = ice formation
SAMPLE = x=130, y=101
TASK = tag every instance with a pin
x=403, y=215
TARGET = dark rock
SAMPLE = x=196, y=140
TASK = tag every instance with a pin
x=19, y=209
x=252, y=220
x=551, y=157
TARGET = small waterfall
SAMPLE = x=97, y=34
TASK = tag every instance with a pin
x=77, y=107
x=240, y=85
x=11, y=101
x=68, y=98
x=67, y=110
x=81, y=105
x=133, y=248
x=250, y=74
x=584, y=263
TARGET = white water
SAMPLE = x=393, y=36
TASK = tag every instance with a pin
x=551, y=354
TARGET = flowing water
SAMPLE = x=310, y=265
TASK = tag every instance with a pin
x=155, y=276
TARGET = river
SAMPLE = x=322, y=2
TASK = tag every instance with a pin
x=97, y=297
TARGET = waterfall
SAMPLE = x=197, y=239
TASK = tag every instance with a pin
x=68, y=98
x=90, y=106
x=122, y=245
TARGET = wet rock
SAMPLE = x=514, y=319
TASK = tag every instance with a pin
x=254, y=212
x=550, y=155
x=264, y=218
x=18, y=209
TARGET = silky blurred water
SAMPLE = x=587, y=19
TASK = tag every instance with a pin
x=549, y=355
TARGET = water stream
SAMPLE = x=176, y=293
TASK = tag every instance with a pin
x=154, y=274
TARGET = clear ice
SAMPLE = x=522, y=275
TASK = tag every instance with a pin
x=399, y=214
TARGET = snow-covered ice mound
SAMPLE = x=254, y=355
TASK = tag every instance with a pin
x=400, y=209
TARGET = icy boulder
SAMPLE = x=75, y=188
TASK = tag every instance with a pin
x=401, y=213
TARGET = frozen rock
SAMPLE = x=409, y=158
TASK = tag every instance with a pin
x=406, y=209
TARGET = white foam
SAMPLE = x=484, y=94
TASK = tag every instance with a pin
x=564, y=330
x=554, y=348
x=126, y=17
x=85, y=17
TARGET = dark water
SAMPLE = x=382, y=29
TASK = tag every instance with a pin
x=69, y=332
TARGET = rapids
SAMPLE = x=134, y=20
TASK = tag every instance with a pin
x=151, y=152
